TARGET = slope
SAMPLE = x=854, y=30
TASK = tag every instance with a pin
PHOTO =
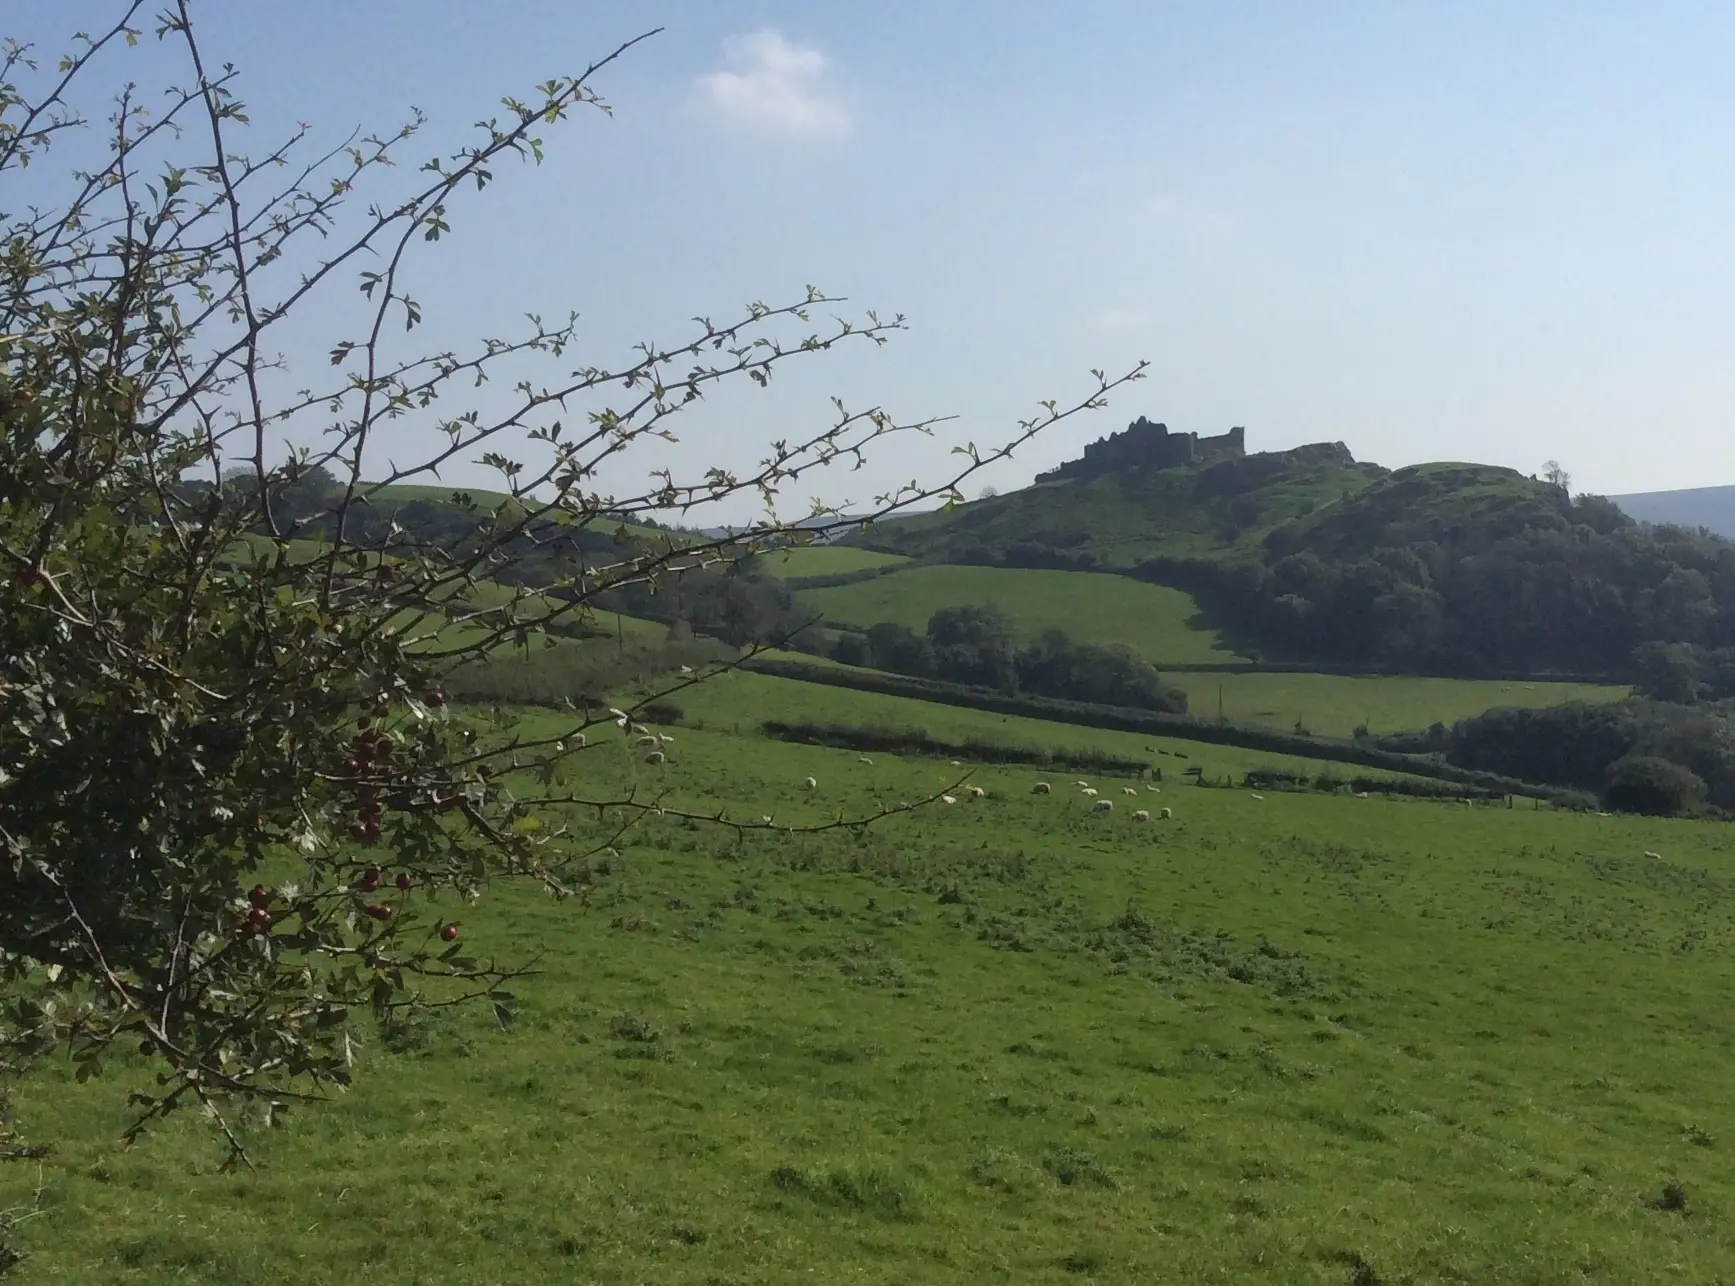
x=1297, y=1039
x=1117, y=520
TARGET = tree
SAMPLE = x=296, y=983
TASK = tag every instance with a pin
x=225, y=765
x=1649, y=784
x=1555, y=476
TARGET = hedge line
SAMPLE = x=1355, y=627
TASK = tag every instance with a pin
x=1056, y=710
x=916, y=741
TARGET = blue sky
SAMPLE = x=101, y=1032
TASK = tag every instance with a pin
x=1501, y=232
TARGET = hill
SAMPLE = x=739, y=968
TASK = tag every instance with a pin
x=1155, y=621
x=1308, y=557
x=1712, y=508
x=1116, y=520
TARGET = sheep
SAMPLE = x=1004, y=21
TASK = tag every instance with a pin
x=1655, y=857
x=1143, y=815
x=1167, y=814
x=1041, y=788
x=947, y=799
x=1258, y=796
x=577, y=739
x=976, y=792
x=1362, y=794
x=1129, y=790
x=809, y=784
x=1105, y=806
x=640, y=729
x=655, y=757
x=1081, y=784
x=646, y=740
x=1155, y=790
x=664, y=737
x=957, y=763
x=864, y=759
x=1088, y=790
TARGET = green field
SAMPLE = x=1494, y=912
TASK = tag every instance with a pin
x=823, y=560
x=1300, y=1039
x=1331, y=705
x=1092, y=607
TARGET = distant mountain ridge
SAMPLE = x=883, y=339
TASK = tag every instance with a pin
x=1712, y=508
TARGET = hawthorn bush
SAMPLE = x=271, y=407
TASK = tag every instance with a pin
x=237, y=812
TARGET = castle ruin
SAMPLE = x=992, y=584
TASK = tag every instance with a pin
x=1144, y=445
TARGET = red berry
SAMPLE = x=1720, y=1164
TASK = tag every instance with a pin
x=260, y=896
x=370, y=879
x=405, y=882
x=449, y=932
x=380, y=911
x=436, y=699
x=484, y=771
x=259, y=919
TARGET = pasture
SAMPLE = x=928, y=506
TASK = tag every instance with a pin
x=1332, y=705
x=823, y=560
x=1156, y=621
x=1297, y=1039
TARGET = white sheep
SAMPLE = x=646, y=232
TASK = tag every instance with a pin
x=655, y=757
x=1655, y=857
x=809, y=784
x=957, y=763
x=947, y=799
x=1167, y=814
x=1143, y=815
x=863, y=759
x=1129, y=790
x=976, y=792
x=646, y=740
x=1155, y=790
x=664, y=737
x=1362, y=794
x=1041, y=788
x=1088, y=790
x=1081, y=784
x=1258, y=796
x=1105, y=806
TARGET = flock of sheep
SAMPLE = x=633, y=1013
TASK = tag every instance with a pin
x=1044, y=788
x=1107, y=805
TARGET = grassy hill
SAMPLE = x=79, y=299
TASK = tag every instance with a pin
x=1421, y=503
x=1120, y=519
x=1290, y=1039
x=823, y=560
x=1157, y=622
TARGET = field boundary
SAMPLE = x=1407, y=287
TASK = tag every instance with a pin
x=1119, y=719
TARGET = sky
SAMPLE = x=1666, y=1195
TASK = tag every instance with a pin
x=1501, y=232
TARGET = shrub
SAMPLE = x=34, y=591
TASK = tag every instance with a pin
x=1647, y=784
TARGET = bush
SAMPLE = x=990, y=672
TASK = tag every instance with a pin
x=1648, y=784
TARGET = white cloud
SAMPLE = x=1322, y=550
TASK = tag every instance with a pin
x=775, y=87
x=1204, y=227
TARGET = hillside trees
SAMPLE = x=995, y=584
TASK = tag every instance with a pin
x=236, y=810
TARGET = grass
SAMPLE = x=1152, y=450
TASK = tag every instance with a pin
x=823, y=560
x=738, y=703
x=1154, y=620
x=1122, y=518
x=1291, y=1040
x=1336, y=705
